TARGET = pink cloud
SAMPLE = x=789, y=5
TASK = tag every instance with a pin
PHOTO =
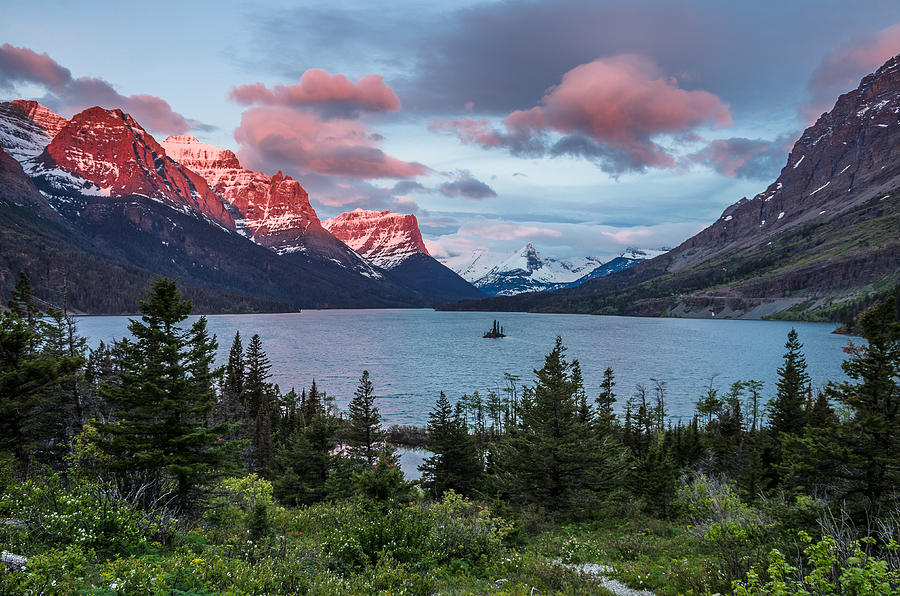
x=319, y=87
x=151, y=112
x=498, y=230
x=276, y=137
x=841, y=70
x=609, y=110
x=69, y=95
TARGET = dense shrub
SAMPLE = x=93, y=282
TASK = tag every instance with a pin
x=57, y=512
x=827, y=573
x=417, y=535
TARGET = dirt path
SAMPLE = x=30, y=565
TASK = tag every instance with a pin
x=598, y=573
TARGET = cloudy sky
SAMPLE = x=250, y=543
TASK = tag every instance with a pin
x=581, y=126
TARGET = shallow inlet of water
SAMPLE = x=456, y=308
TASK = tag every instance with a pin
x=414, y=354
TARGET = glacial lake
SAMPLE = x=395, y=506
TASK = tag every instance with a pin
x=412, y=355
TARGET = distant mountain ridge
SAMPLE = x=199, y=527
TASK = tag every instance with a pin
x=528, y=271
x=820, y=242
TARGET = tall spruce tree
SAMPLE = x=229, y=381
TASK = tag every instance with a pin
x=230, y=409
x=455, y=462
x=258, y=405
x=787, y=411
x=364, y=430
x=162, y=402
x=873, y=397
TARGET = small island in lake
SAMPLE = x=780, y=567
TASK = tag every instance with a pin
x=496, y=330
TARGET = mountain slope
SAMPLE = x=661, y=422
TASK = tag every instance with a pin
x=67, y=269
x=394, y=242
x=823, y=235
x=112, y=152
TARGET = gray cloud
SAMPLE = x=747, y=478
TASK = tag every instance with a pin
x=467, y=186
x=754, y=159
x=497, y=57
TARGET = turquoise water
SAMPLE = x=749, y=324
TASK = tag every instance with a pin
x=414, y=354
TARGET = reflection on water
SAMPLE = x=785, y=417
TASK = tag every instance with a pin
x=412, y=355
x=410, y=460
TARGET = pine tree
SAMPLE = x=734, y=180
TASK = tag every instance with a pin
x=607, y=398
x=22, y=303
x=230, y=409
x=787, y=411
x=364, y=431
x=256, y=376
x=163, y=401
x=258, y=405
x=585, y=412
x=873, y=398
x=554, y=460
x=455, y=462
x=303, y=465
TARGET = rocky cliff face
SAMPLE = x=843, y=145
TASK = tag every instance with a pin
x=848, y=155
x=273, y=211
x=49, y=121
x=382, y=237
x=21, y=136
x=117, y=157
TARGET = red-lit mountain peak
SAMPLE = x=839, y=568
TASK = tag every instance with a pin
x=47, y=119
x=111, y=150
x=382, y=237
x=275, y=211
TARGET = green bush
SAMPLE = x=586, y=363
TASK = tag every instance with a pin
x=856, y=575
x=453, y=530
x=57, y=513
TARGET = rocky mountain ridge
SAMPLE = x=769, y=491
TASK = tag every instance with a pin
x=273, y=211
x=382, y=237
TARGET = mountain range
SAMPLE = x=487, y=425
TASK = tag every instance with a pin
x=112, y=198
x=820, y=242
x=526, y=270
x=93, y=207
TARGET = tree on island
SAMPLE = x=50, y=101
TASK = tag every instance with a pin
x=364, y=432
x=162, y=403
x=495, y=331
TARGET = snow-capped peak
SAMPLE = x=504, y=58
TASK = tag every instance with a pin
x=526, y=270
x=382, y=237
